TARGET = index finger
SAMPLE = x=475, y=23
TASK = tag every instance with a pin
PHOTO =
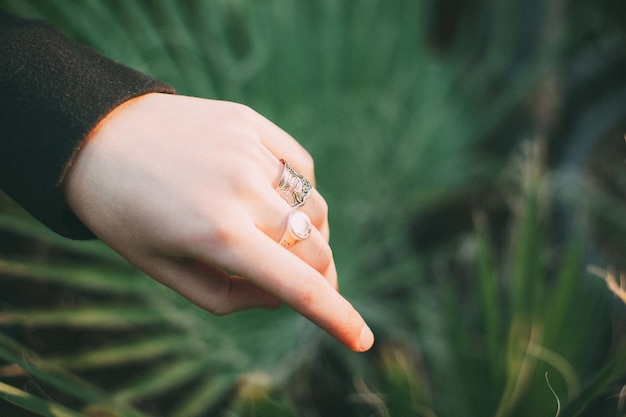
x=280, y=272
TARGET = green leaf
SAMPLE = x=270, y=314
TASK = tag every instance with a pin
x=124, y=352
x=489, y=295
x=29, y=228
x=164, y=378
x=35, y=404
x=13, y=352
x=92, y=317
x=205, y=395
x=88, y=277
x=596, y=388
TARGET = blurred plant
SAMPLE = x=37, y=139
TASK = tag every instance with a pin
x=519, y=324
x=440, y=237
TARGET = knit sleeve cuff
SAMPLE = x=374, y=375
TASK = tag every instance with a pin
x=55, y=92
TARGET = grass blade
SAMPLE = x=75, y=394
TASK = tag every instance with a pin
x=13, y=352
x=489, y=296
x=33, y=230
x=109, y=317
x=36, y=405
x=162, y=379
x=123, y=353
x=106, y=280
x=597, y=386
x=205, y=396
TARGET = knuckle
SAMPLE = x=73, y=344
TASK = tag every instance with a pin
x=218, y=236
x=222, y=301
x=307, y=161
x=318, y=210
x=306, y=296
x=322, y=258
x=220, y=309
x=243, y=112
x=215, y=238
x=323, y=208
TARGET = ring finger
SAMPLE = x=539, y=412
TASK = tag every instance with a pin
x=314, y=250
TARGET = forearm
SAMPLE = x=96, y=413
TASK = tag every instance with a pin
x=54, y=92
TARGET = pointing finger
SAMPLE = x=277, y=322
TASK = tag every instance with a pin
x=294, y=282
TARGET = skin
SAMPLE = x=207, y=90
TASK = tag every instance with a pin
x=184, y=189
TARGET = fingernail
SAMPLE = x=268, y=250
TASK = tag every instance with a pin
x=366, y=340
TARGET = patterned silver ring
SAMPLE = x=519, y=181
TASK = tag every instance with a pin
x=298, y=228
x=293, y=187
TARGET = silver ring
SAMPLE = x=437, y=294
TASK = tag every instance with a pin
x=293, y=187
x=298, y=228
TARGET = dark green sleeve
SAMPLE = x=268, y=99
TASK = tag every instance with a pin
x=53, y=92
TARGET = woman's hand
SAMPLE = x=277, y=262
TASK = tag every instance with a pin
x=184, y=189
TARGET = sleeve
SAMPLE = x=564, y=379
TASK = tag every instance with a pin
x=54, y=92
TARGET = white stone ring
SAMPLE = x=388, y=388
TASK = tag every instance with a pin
x=293, y=187
x=298, y=228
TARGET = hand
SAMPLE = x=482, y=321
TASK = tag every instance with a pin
x=184, y=189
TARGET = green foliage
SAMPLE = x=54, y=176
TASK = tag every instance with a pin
x=463, y=246
x=34, y=404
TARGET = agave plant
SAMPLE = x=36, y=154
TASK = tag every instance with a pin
x=406, y=118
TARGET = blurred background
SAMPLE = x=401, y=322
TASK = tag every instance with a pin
x=472, y=154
